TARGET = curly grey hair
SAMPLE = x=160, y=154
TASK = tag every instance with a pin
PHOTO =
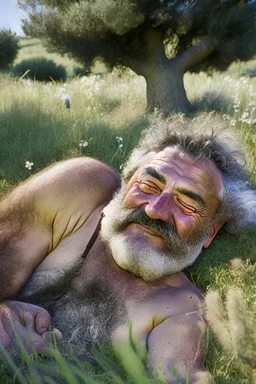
x=204, y=137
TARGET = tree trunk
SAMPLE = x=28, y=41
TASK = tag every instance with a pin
x=165, y=89
x=164, y=78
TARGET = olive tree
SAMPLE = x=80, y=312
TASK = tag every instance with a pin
x=158, y=39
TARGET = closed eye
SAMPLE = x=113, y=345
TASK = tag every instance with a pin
x=148, y=187
x=187, y=208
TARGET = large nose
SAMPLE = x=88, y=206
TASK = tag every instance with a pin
x=160, y=207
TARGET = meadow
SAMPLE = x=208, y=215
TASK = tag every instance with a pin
x=105, y=120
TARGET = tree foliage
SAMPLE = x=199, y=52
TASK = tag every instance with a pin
x=9, y=47
x=144, y=34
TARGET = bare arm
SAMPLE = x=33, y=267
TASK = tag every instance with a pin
x=175, y=347
x=43, y=210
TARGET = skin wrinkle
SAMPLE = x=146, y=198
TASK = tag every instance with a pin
x=175, y=152
x=181, y=173
x=65, y=229
x=192, y=195
x=52, y=245
x=75, y=227
x=164, y=197
x=215, y=196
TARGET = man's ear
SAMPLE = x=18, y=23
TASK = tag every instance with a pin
x=212, y=233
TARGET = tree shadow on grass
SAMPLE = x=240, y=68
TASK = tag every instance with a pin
x=105, y=145
x=214, y=101
x=31, y=134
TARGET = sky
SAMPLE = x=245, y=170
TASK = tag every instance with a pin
x=10, y=16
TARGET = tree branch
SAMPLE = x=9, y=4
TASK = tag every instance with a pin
x=195, y=54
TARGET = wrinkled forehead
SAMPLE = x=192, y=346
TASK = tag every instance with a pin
x=202, y=172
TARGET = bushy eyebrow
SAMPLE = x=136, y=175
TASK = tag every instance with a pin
x=192, y=195
x=184, y=191
x=152, y=172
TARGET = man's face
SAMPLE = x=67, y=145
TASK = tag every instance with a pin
x=159, y=222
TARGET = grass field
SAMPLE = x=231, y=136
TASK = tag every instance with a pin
x=36, y=127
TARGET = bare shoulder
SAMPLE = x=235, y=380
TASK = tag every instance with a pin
x=79, y=173
x=178, y=298
x=73, y=182
x=60, y=198
x=188, y=298
x=182, y=285
x=69, y=191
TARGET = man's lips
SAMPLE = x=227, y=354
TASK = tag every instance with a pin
x=146, y=229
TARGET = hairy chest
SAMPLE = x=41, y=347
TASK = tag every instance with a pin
x=92, y=309
x=87, y=317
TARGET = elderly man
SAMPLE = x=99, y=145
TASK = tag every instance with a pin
x=97, y=262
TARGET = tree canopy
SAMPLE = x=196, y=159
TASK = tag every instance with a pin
x=159, y=40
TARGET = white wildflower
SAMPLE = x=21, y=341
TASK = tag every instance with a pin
x=120, y=141
x=83, y=143
x=29, y=165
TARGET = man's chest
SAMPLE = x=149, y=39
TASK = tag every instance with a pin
x=93, y=312
x=93, y=302
x=101, y=315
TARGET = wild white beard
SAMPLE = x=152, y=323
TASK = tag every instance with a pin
x=136, y=254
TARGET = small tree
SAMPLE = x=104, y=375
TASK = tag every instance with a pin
x=9, y=47
x=158, y=39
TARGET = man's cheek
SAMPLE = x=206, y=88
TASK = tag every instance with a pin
x=187, y=226
x=134, y=198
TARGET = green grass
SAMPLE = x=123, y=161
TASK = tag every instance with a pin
x=36, y=126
